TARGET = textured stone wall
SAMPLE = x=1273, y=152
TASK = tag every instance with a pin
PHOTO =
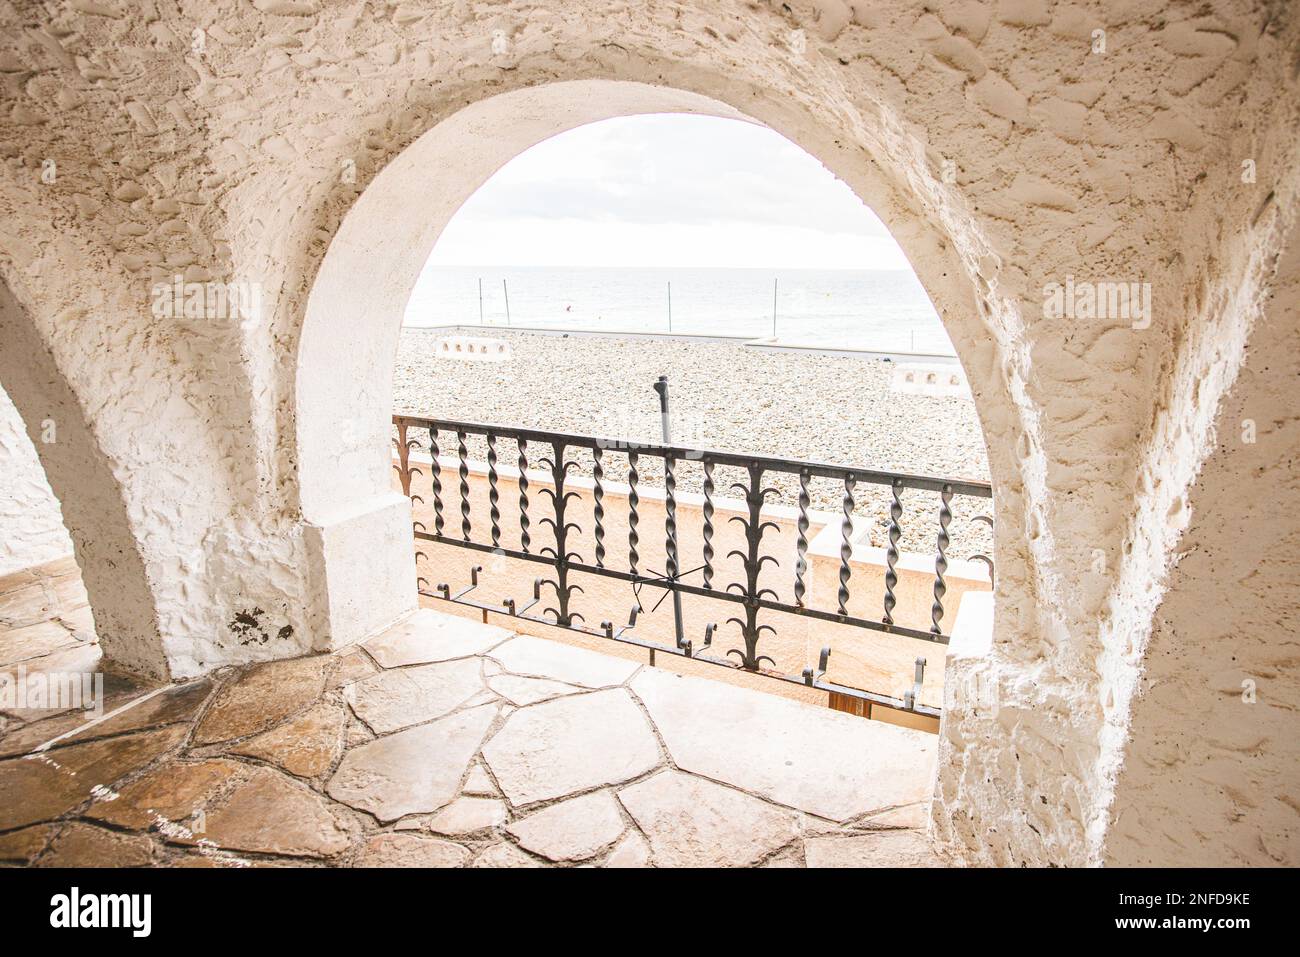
x=31, y=525
x=1009, y=145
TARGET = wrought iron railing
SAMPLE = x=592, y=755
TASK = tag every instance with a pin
x=551, y=451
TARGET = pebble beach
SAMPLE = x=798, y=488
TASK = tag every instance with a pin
x=724, y=395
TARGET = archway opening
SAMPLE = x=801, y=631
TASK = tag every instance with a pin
x=46, y=626
x=344, y=405
x=786, y=319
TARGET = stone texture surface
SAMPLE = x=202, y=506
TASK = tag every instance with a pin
x=833, y=765
x=469, y=814
x=479, y=782
x=273, y=814
x=414, y=771
x=883, y=849
x=691, y=822
x=411, y=850
x=402, y=697
x=306, y=746
x=81, y=845
x=505, y=855
x=572, y=830
x=22, y=846
x=261, y=697
x=168, y=707
x=526, y=691
x=537, y=657
x=431, y=786
x=353, y=665
x=571, y=744
x=911, y=816
x=176, y=791
x=632, y=851
x=429, y=636
x=37, y=789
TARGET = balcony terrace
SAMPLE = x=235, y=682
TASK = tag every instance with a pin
x=442, y=742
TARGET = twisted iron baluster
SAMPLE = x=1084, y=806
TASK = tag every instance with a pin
x=846, y=548
x=670, y=518
x=941, y=561
x=438, y=521
x=462, y=453
x=753, y=560
x=891, y=553
x=598, y=473
x=801, y=544
x=494, y=513
x=561, y=526
x=524, y=539
x=708, y=524
x=632, y=519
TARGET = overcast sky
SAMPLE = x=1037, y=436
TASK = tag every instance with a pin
x=667, y=190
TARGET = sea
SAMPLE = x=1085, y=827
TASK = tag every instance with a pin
x=878, y=310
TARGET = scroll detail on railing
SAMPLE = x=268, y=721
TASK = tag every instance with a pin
x=752, y=597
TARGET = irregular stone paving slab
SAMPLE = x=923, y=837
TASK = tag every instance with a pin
x=27, y=605
x=392, y=700
x=414, y=771
x=784, y=861
x=695, y=823
x=571, y=744
x=179, y=703
x=81, y=845
x=881, y=849
x=306, y=746
x=21, y=847
x=353, y=666
x=469, y=814
x=37, y=789
x=429, y=636
x=33, y=641
x=262, y=696
x=537, y=657
x=632, y=851
x=274, y=814
x=357, y=733
x=505, y=854
x=826, y=763
x=483, y=697
x=81, y=622
x=913, y=816
x=24, y=576
x=479, y=782
x=173, y=792
x=526, y=691
x=411, y=850
x=572, y=831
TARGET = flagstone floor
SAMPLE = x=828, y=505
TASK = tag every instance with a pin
x=448, y=743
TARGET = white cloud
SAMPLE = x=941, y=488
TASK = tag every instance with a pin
x=667, y=190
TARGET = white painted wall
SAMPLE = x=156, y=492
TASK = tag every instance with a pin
x=31, y=524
